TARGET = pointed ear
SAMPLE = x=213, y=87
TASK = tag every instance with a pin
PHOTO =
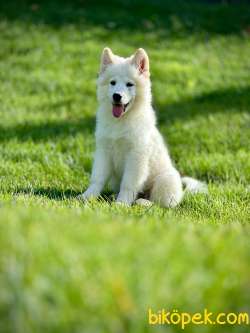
x=141, y=62
x=106, y=59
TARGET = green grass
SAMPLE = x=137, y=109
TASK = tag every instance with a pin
x=69, y=267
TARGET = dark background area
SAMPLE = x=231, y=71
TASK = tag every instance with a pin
x=174, y=17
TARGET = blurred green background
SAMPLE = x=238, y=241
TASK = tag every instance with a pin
x=70, y=267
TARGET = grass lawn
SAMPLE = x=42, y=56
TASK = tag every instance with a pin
x=97, y=268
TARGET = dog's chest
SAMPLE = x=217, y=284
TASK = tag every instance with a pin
x=119, y=150
x=119, y=141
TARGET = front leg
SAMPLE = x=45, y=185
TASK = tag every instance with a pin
x=100, y=173
x=135, y=175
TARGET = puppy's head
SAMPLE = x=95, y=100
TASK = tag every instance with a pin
x=123, y=82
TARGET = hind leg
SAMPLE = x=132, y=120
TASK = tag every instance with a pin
x=143, y=199
x=143, y=202
x=167, y=189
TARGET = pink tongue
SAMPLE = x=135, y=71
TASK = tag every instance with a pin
x=117, y=110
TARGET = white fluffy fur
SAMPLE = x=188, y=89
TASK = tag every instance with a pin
x=130, y=151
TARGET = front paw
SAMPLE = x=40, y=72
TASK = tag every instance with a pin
x=83, y=196
x=126, y=198
x=122, y=203
x=89, y=194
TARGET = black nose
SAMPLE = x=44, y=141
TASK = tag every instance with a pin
x=117, y=97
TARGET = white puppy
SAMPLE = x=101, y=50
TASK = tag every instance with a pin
x=130, y=151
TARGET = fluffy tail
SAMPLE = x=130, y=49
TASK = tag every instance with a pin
x=194, y=186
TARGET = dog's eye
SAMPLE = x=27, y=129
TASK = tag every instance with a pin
x=113, y=82
x=129, y=84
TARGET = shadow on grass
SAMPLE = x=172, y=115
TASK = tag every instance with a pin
x=165, y=16
x=226, y=101
x=50, y=193
x=53, y=193
x=47, y=130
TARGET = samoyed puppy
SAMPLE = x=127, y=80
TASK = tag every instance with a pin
x=130, y=151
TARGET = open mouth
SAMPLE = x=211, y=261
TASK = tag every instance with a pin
x=118, y=109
